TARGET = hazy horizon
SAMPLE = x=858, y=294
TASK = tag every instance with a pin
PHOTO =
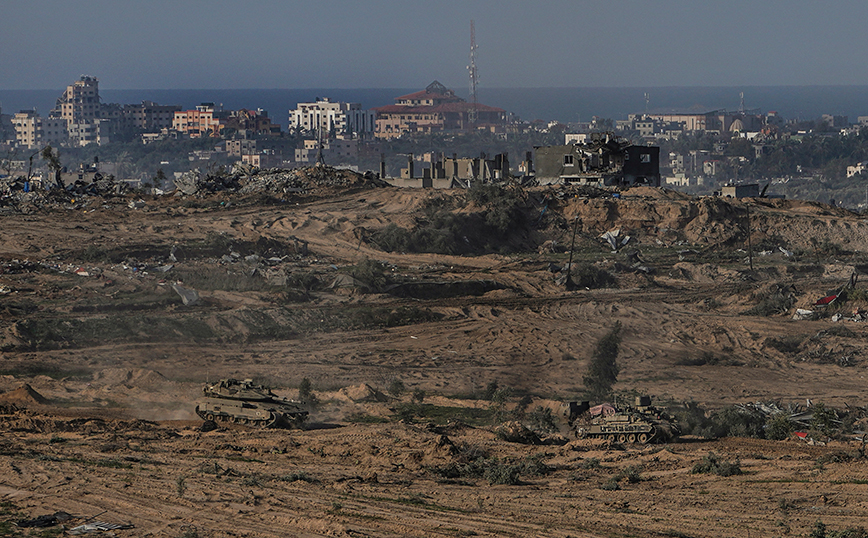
x=279, y=44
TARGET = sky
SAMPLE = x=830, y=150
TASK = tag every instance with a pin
x=222, y=44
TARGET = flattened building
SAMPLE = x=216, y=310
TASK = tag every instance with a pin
x=602, y=160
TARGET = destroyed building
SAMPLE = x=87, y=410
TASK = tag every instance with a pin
x=602, y=160
x=430, y=170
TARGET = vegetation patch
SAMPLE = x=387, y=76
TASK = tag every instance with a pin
x=493, y=470
x=500, y=216
x=713, y=464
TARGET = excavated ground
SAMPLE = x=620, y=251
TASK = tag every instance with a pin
x=114, y=362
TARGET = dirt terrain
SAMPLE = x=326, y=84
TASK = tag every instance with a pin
x=103, y=361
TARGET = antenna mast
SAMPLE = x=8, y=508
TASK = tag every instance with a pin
x=473, y=116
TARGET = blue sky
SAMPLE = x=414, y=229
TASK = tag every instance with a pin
x=138, y=44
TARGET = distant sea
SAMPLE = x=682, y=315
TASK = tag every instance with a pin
x=562, y=104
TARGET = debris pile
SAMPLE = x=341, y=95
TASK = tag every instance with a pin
x=273, y=181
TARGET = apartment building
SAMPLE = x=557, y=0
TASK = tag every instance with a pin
x=331, y=117
x=28, y=129
x=203, y=121
x=151, y=117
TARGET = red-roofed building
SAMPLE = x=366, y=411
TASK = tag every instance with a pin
x=436, y=108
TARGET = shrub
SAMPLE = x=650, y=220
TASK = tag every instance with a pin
x=540, y=419
x=712, y=463
x=592, y=277
x=785, y=344
x=490, y=389
x=631, y=474
x=610, y=485
x=591, y=463
x=371, y=273
x=503, y=474
x=396, y=387
x=305, y=392
x=297, y=476
x=778, y=427
x=823, y=419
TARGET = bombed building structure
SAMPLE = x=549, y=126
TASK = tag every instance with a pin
x=602, y=160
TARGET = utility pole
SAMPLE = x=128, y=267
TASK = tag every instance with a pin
x=749, y=245
x=569, y=282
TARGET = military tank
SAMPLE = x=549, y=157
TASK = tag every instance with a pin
x=641, y=423
x=242, y=402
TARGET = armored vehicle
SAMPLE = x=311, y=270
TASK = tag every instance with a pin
x=242, y=402
x=642, y=423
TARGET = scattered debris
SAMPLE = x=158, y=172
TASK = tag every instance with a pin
x=188, y=297
x=98, y=526
x=804, y=315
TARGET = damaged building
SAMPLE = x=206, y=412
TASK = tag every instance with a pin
x=602, y=160
x=430, y=170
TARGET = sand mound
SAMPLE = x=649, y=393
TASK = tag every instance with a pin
x=362, y=393
x=131, y=377
x=23, y=396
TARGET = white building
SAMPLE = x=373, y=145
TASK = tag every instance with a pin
x=327, y=115
x=858, y=169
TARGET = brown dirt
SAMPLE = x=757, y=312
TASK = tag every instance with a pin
x=117, y=431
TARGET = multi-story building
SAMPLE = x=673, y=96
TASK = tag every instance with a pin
x=436, y=108
x=203, y=121
x=334, y=151
x=151, y=117
x=237, y=147
x=251, y=122
x=28, y=129
x=80, y=102
x=330, y=117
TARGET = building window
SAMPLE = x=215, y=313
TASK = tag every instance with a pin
x=568, y=160
x=645, y=158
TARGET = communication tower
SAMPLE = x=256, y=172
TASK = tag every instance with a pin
x=474, y=113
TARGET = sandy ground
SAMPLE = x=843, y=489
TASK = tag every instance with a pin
x=117, y=431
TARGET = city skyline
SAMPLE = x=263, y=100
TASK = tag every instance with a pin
x=338, y=44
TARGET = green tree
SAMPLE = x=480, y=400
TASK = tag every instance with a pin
x=603, y=369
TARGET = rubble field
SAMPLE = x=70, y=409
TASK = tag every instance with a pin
x=404, y=309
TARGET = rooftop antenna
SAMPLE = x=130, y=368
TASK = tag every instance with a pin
x=473, y=115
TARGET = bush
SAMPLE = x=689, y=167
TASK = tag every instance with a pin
x=778, y=427
x=631, y=474
x=728, y=422
x=785, y=344
x=712, y=463
x=540, y=419
x=592, y=277
x=305, y=392
x=823, y=419
x=396, y=387
x=371, y=273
